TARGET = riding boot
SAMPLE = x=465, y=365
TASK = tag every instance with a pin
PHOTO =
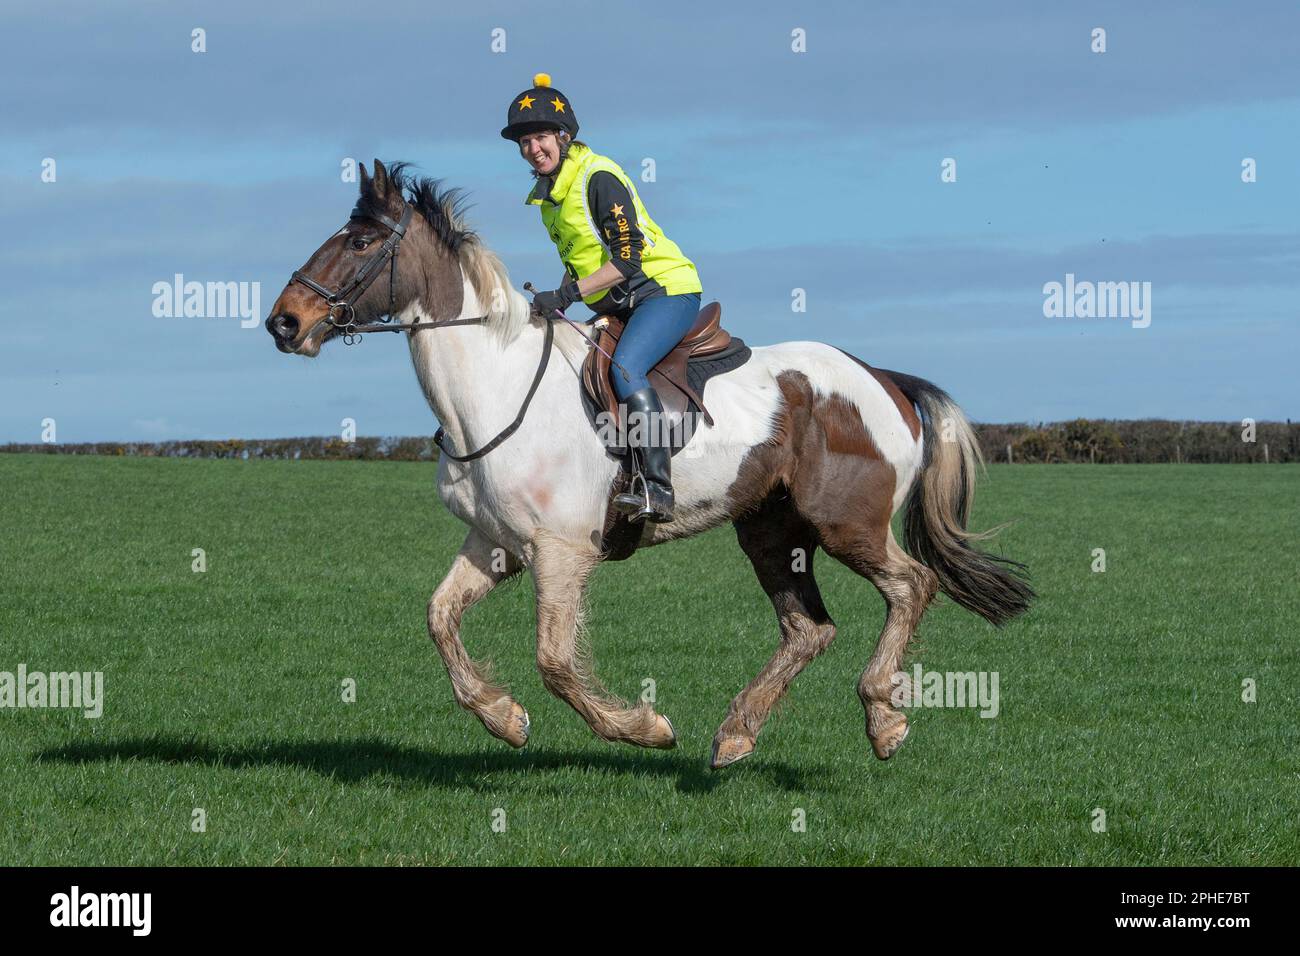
x=650, y=496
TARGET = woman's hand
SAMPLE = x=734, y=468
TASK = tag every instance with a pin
x=546, y=304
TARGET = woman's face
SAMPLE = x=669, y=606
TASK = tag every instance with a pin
x=542, y=150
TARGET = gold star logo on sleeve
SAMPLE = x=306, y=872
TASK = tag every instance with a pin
x=617, y=209
x=526, y=103
x=558, y=104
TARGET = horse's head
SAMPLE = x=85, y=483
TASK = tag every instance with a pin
x=355, y=277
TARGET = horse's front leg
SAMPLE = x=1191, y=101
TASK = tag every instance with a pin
x=560, y=571
x=479, y=567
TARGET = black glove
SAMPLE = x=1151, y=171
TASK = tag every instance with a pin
x=545, y=303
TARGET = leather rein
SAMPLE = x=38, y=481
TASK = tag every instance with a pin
x=343, y=317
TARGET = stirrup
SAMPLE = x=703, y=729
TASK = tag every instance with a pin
x=637, y=507
x=629, y=502
x=657, y=517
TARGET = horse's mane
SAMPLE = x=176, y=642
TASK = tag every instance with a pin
x=444, y=210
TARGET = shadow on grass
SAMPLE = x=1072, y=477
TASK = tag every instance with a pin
x=354, y=761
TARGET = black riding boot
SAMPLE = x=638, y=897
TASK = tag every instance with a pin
x=650, y=495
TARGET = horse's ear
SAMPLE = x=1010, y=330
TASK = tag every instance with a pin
x=365, y=179
x=381, y=179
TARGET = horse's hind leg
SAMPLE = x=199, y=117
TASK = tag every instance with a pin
x=780, y=544
x=479, y=567
x=560, y=572
x=908, y=587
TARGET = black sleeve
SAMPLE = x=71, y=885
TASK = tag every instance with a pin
x=614, y=213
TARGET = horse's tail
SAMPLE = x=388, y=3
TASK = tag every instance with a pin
x=939, y=505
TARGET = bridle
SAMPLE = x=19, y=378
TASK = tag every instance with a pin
x=345, y=298
x=342, y=301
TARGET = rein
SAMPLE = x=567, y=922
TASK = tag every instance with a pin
x=440, y=436
x=389, y=326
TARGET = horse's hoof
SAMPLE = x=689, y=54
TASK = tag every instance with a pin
x=524, y=722
x=887, y=741
x=727, y=750
x=665, y=735
x=515, y=732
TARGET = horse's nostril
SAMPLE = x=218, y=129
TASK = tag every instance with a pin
x=283, y=327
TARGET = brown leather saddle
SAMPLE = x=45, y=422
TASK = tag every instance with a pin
x=706, y=337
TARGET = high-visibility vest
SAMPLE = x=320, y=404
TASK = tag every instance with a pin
x=574, y=230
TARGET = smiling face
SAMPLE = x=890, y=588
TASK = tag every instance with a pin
x=542, y=150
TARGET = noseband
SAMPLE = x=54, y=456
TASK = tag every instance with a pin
x=342, y=301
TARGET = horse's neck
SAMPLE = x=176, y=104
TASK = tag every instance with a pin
x=466, y=375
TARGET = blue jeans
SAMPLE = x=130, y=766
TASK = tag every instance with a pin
x=654, y=329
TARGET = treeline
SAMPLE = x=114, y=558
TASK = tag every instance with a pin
x=1082, y=440
x=361, y=449
x=1147, y=441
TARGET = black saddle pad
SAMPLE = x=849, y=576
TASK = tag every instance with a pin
x=698, y=372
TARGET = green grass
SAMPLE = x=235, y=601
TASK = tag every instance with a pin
x=1119, y=690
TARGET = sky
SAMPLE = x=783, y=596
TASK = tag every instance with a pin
x=776, y=169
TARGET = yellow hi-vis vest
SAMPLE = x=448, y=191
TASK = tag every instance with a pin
x=574, y=230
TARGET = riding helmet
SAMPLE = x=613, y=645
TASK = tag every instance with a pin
x=538, y=108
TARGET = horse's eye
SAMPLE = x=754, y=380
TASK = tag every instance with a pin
x=359, y=243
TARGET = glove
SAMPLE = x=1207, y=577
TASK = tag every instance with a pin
x=545, y=303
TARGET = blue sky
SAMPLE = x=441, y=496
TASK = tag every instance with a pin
x=775, y=170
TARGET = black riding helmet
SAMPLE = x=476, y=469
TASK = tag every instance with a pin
x=541, y=107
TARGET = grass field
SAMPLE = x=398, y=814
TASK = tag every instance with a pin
x=1121, y=690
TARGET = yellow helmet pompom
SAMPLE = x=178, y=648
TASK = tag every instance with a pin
x=542, y=79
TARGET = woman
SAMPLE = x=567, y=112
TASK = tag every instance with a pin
x=618, y=261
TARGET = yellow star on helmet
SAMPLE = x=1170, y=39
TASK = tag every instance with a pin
x=558, y=104
x=617, y=209
x=526, y=103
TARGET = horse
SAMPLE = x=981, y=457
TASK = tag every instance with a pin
x=810, y=448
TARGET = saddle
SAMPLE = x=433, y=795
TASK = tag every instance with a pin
x=706, y=337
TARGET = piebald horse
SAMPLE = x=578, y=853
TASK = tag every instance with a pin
x=811, y=448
